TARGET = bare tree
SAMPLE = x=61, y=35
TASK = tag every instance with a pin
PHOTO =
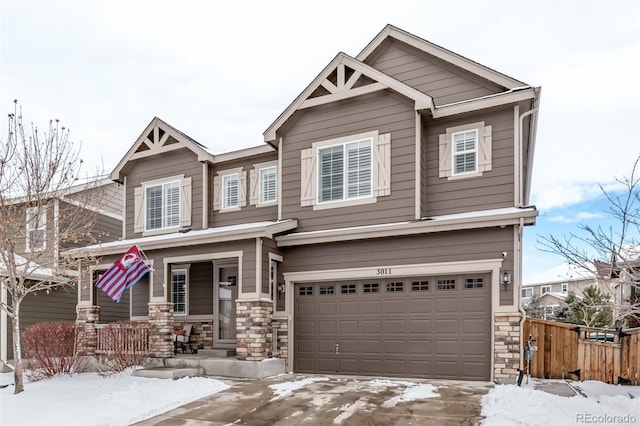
x=611, y=255
x=37, y=170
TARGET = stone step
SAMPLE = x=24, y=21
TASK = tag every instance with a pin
x=168, y=372
x=217, y=353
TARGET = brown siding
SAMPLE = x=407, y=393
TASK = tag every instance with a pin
x=111, y=311
x=182, y=161
x=444, y=82
x=139, y=294
x=201, y=288
x=380, y=111
x=268, y=246
x=494, y=189
x=418, y=249
x=106, y=197
x=248, y=213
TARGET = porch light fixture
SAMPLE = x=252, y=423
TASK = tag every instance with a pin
x=505, y=279
x=280, y=288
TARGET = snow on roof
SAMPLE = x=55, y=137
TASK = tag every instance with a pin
x=34, y=272
x=559, y=274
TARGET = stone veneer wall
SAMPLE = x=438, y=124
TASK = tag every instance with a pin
x=161, y=320
x=86, y=319
x=282, y=342
x=201, y=335
x=253, y=330
x=506, y=347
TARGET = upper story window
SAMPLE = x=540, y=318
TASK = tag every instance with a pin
x=346, y=171
x=546, y=289
x=465, y=151
x=229, y=190
x=527, y=292
x=36, y=228
x=162, y=206
x=268, y=185
x=230, y=194
x=564, y=287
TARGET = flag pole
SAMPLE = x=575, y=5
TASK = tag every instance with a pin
x=150, y=264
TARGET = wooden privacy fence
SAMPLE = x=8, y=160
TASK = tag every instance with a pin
x=583, y=353
x=122, y=338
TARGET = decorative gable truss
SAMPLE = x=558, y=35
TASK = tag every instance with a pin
x=344, y=78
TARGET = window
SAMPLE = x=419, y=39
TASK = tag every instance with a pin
x=345, y=171
x=527, y=292
x=446, y=284
x=564, y=287
x=179, y=291
x=268, y=185
x=305, y=291
x=36, y=228
x=420, y=286
x=371, y=288
x=348, y=289
x=326, y=289
x=230, y=191
x=162, y=206
x=395, y=287
x=473, y=283
x=546, y=289
x=465, y=152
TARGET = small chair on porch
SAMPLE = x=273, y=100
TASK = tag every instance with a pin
x=182, y=339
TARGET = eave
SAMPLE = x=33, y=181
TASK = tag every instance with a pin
x=453, y=222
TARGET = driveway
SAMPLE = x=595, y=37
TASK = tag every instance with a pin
x=296, y=399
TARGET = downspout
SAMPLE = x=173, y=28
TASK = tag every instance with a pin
x=521, y=174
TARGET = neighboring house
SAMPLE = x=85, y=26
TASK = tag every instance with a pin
x=554, y=285
x=377, y=231
x=41, y=246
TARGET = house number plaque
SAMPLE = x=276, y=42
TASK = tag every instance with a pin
x=383, y=271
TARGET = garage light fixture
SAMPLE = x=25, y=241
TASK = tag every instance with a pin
x=505, y=279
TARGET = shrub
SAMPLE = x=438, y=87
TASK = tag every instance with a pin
x=52, y=347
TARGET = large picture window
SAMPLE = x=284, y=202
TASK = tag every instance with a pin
x=36, y=228
x=179, y=291
x=162, y=206
x=345, y=171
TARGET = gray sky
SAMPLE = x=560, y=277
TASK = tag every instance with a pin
x=222, y=73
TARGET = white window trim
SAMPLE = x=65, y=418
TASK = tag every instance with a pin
x=564, y=287
x=464, y=152
x=530, y=290
x=184, y=205
x=219, y=190
x=145, y=198
x=484, y=154
x=260, y=193
x=37, y=228
x=224, y=181
x=185, y=269
x=278, y=259
x=543, y=288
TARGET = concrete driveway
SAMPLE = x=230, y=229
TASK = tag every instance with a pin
x=296, y=399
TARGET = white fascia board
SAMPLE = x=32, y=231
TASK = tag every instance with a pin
x=472, y=220
x=191, y=238
x=243, y=153
x=484, y=102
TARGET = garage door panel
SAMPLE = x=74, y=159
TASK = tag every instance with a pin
x=370, y=366
x=348, y=307
x=446, y=326
x=446, y=347
x=348, y=326
x=419, y=306
x=419, y=326
x=306, y=327
x=371, y=346
x=325, y=327
x=371, y=326
x=471, y=347
x=446, y=304
x=394, y=326
x=419, y=347
x=327, y=365
x=474, y=326
x=306, y=307
x=326, y=346
x=370, y=307
x=326, y=308
x=394, y=346
x=394, y=306
x=348, y=365
x=474, y=304
x=394, y=366
x=443, y=368
x=348, y=346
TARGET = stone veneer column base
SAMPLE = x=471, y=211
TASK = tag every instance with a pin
x=86, y=319
x=506, y=347
x=161, y=320
x=253, y=330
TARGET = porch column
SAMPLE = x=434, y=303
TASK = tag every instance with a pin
x=86, y=319
x=253, y=329
x=161, y=320
x=506, y=347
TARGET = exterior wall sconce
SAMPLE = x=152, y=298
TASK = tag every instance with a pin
x=505, y=279
x=280, y=288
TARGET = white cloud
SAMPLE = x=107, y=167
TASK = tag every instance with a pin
x=574, y=218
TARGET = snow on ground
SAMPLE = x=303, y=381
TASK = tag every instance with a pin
x=89, y=399
x=603, y=404
x=412, y=391
x=283, y=390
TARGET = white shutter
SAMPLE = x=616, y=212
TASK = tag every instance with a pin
x=185, y=202
x=382, y=165
x=484, y=149
x=217, y=193
x=253, y=187
x=242, y=189
x=307, y=177
x=444, y=156
x=138, y=210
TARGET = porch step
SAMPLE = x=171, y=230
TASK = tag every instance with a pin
x=168, y=372
x=217, y=353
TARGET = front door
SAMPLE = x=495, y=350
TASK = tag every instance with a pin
x=226, y=293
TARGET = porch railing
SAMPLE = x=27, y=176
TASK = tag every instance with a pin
x=122, y=338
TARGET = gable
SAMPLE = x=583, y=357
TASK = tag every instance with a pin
x=444, y=82
x=158, y=138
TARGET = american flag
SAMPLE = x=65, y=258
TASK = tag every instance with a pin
x=125, y=272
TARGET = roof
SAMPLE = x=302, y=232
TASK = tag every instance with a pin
x=219, y=234
x=560, y=274
x=36, y=272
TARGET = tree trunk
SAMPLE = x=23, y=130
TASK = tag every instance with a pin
x=17, y=352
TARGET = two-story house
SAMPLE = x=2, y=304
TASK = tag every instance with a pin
x=377, y=231
x=39, y=244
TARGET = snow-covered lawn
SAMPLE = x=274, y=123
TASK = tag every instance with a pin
x=602, y=404
x=88, y=399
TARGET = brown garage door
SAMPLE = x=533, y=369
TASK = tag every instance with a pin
x=431, y=327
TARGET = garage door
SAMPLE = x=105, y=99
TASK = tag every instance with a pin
x=428, y=327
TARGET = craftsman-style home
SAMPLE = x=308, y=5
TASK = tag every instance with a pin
x=376, y=231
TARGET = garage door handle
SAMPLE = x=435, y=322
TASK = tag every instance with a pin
x=337, y=348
